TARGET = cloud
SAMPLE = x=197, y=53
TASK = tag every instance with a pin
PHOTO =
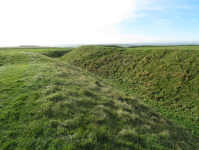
x=163, y=10
x=60, y=21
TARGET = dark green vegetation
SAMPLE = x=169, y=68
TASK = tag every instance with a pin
x=48, y=104
x=166, y=78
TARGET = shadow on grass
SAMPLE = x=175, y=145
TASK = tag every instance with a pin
x=57, y=53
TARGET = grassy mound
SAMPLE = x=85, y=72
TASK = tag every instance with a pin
x=48, y=104
x=81, y=51
x=165, y=77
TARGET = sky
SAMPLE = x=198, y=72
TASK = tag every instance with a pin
x=51, y=22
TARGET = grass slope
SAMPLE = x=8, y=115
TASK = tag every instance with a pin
x=48, y=104
x=165, y=77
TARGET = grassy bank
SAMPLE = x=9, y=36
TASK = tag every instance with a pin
x=49, y=104
x=166, y=78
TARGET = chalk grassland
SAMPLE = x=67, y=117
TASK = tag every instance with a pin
x=166, y=78
x=49, y=104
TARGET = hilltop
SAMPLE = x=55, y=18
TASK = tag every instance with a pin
x=46, y=103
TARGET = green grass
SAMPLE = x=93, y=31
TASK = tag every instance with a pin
x=176, y=47
x=49, y=104
x=166, y=77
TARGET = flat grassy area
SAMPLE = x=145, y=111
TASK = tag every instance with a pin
x=166, y=78
x=49, y=104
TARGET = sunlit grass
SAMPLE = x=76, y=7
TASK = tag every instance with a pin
x=166, y=78
x=49, y=104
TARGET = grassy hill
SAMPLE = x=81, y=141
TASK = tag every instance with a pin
x=49, y=104
x=165, y=77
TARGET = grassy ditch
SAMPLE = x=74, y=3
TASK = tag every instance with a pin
x=166, y=78
x=49, y=104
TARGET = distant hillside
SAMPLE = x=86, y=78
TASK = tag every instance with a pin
x=29, y=46
x=166, y=78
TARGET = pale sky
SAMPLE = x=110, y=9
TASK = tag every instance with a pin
x=51, y=22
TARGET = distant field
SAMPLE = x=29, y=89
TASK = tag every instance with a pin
x=184, y=47
x=165, y=77
x=46, y=103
